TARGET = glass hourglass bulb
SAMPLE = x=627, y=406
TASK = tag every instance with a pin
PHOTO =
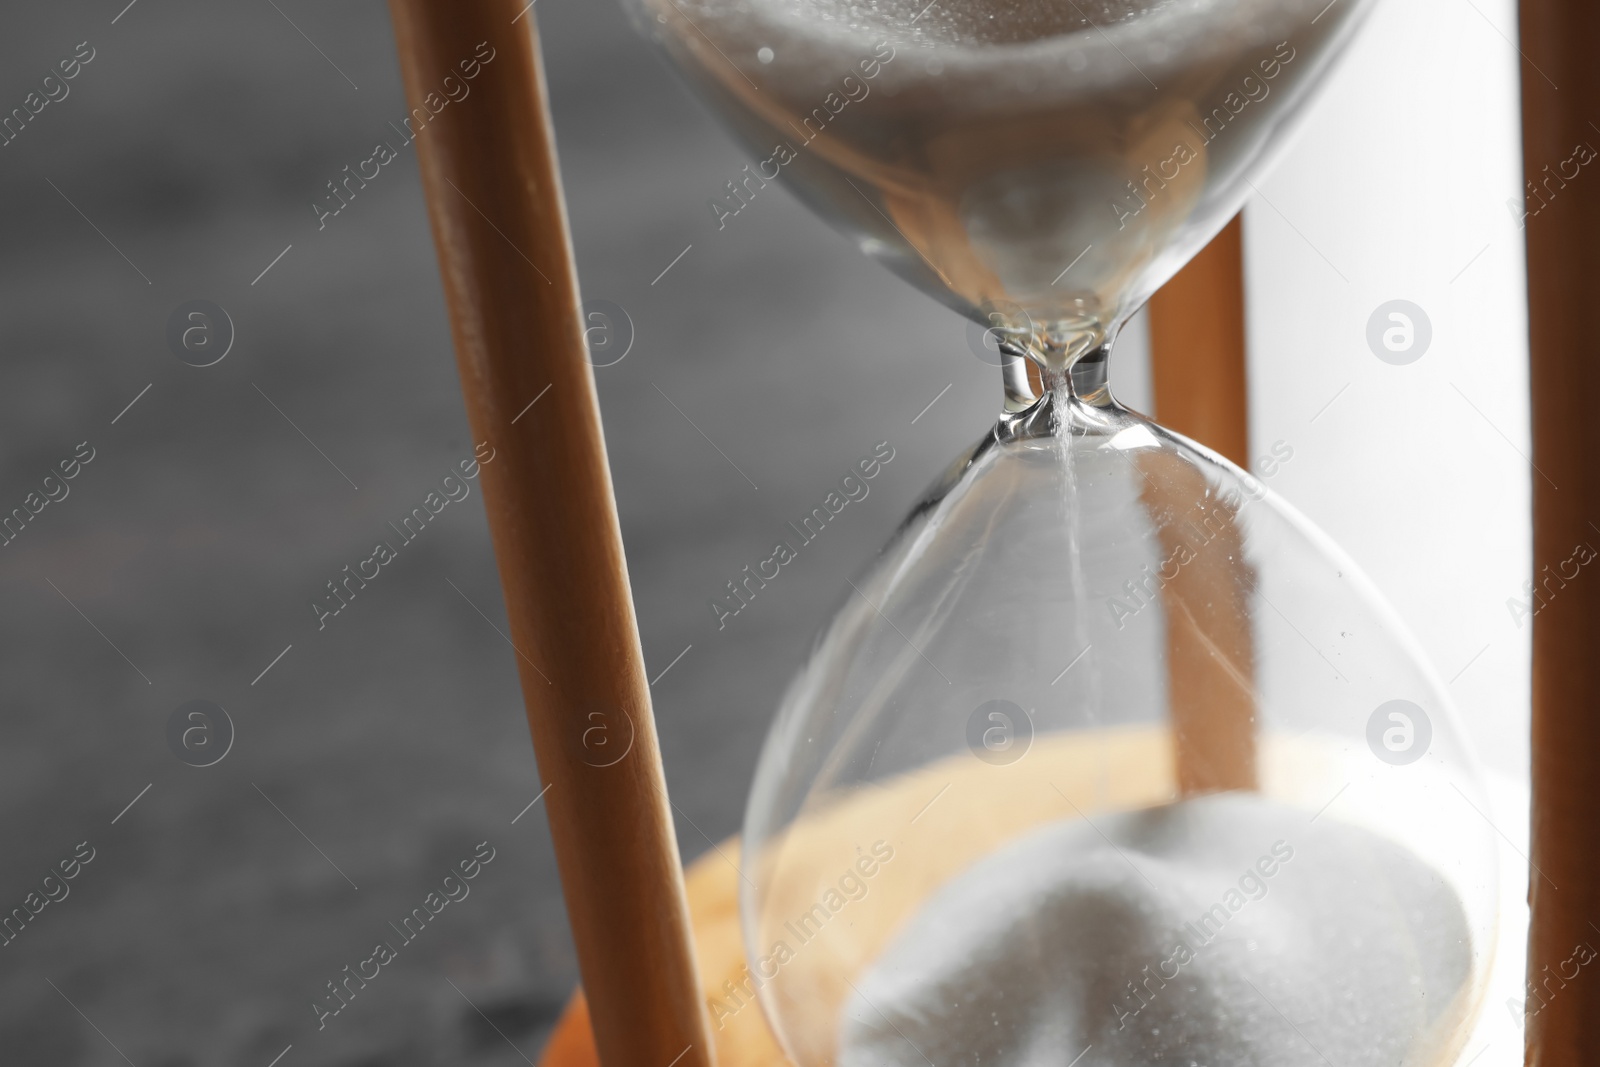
x=980, y=148
x=1109, y=748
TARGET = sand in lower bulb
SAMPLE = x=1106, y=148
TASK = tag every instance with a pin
x=1225, y=929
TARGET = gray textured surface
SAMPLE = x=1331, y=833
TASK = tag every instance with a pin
x=195, y=141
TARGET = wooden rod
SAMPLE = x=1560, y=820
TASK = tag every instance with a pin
x=1209, y=644
x=1197, y=365
x=472, y=73
x=1197, y=348
x=1561, y=219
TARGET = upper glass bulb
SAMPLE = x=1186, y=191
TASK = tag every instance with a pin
x=1045, y=164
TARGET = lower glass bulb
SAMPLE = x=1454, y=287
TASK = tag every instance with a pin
x=1111, y=748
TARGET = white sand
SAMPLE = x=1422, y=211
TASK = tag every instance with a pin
x=994, y=47
x=1355, y=953
x=965, y=22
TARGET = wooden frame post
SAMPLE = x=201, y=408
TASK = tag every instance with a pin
x=1197, y=368
x=1561, y=220
x=499, y=224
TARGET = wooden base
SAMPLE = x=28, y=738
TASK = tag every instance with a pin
x=938, y=821
x=1059, y=778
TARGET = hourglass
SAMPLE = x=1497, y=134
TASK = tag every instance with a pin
x=1109, y=749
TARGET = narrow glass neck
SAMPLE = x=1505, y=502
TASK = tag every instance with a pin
x=1041, y=403
x=1026, y=378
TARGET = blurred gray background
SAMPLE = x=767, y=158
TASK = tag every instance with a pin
x=378, y=751
x=371, y=755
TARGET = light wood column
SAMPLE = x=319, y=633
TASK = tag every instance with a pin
x=1197, y=365
x=1197, y=348
x=1562, y=228
x=500, y=227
